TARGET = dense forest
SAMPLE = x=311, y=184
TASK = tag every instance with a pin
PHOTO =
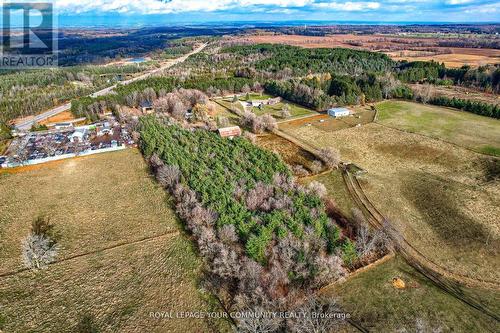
x=315, y=78
x=266, y=241
x=26, y=93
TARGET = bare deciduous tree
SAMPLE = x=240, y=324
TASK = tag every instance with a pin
x=168, y=176
x=268, y=122
x=258, y=320
x=330, y=157
x=316, y=166
x=250, y=137
x=318, y=188
x=228, y=235
x=299, y=171
x=316, y=317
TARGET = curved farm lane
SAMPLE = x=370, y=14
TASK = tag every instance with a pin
x=446, y=280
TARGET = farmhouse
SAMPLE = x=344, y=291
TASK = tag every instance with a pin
x=261, y=102
x=230, y=132
x=338, y=112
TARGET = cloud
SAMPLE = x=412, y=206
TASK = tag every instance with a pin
x=458, y=2
x=169, y=6
x=349, y=6
x=388, y=10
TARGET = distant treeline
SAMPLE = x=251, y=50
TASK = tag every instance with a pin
x=301, y=61
x=485, y=77
x=480, y=108
x=26, y=93
x=315, y=78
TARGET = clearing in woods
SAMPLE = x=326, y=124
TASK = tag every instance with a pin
x=97, y=202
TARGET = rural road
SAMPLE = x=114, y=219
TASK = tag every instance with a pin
x=27, y=124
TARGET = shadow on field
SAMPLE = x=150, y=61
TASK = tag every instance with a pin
x=439, y=202
x=491, y=169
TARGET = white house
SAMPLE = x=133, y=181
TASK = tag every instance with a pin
x=78, y=135
x=61, y=126
x=338, y=112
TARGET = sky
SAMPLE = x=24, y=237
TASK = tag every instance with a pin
x=289, y=10
x=155, y=12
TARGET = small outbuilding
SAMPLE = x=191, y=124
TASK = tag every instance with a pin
x=146, y=107
x=338, y=112
x=230, y=132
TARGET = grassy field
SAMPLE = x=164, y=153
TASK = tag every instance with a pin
x=274, y=110
x=443, y=198
x=372, y=300
x=103, y=207
x=479, y=133
x=337, y=190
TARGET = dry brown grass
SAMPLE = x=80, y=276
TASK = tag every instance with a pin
x=96, y=202
x=116, y=290
x=436, y=194
x=58, y=118
x=289, y=152
x=463, y=92
x=373, y=301
x=458, y=58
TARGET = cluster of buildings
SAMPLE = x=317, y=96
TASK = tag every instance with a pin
x=65, y=141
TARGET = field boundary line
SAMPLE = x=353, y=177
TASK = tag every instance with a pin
x=379, y=219
x=105, y=249
x=360, y=270
x=299, y=118
x=445, y=280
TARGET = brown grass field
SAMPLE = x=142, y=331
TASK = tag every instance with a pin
x=399, y=48
x=289, y=152
x=59, y=118
x=456, y=58
x=103, y=207
x=440, y=196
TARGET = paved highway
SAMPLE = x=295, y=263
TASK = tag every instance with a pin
x=27, y=124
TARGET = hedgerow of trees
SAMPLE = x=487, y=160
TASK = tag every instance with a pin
x=266, y=241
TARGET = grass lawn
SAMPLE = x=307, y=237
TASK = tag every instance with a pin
x=334, y=183
x=96, y=203
x=443, y=198
x=372, y=300
x=221, y=111
x=479, y=133
x=255, y=97
x=295, y=110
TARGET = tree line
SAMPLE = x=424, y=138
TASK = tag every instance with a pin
x=266, y=241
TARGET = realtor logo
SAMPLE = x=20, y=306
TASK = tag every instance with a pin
x=28, y=35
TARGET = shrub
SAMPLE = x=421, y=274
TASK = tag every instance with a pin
x=38, y=251
x=330, y=157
